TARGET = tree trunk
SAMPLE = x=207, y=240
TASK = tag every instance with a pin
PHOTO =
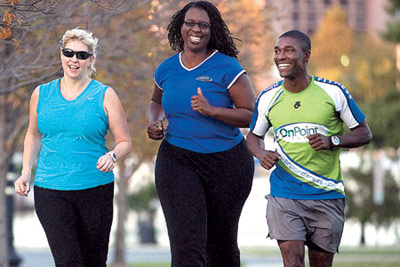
x=124, y=174
x=398, y=66
x=3, y=182
x=119, y=246
x=362, y=240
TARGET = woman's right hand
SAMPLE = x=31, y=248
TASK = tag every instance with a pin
x=155, y=130
x=22, y=185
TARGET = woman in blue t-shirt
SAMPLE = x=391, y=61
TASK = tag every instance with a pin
x=74, y=185
x=203, y=170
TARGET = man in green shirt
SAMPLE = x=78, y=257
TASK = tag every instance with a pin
x=306, y=203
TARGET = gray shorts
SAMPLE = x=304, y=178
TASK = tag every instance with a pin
x=318, y=221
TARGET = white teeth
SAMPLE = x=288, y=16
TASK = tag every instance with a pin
x=74, y=67
x=283, y=65
x=195, y=39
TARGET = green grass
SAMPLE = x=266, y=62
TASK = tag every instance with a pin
x=366, y=264
x=369, y=250
x=260, y=251
x=150, y=264
x=368, y=257
x=348, y=257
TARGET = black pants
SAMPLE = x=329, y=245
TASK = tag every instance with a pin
x=202, y=196
x=77, y=224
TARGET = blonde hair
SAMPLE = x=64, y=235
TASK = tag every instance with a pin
x=85, y=37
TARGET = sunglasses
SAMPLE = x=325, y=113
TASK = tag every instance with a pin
x=79, y=54
x=202, y=25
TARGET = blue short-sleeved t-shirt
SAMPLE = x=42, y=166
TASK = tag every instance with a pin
x=190, y=129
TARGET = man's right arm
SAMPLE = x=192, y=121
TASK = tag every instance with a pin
x=256, y=146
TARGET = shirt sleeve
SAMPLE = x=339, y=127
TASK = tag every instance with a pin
x=260, y=124
x=157, y=76
x=347, y=108
x=233, y=70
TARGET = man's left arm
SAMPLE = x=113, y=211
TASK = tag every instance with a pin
x=358, y=136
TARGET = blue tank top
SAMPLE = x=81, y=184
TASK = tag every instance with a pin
x=73, y=138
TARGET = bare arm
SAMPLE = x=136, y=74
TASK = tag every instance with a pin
x=32, y=142
x=243, y=97
x=256, y=146
x=119, y=129
x=358, y=136
x=155, y=129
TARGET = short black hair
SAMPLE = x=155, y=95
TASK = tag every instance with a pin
x=299, y=36
x=220, y=39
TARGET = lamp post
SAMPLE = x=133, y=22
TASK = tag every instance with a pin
x=13, y=259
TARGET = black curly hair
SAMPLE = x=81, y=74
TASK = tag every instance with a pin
x=299, y=36
x=220, y=39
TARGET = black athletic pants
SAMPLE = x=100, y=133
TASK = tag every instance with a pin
x=77, y=224
x=202, y=196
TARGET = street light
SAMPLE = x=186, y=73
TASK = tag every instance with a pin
x=13, y=259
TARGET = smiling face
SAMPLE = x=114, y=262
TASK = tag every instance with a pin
x=196, y=38
x=73, y=67
x=290, y=58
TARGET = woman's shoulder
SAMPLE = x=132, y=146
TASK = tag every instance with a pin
x=169, y=64
x=96, y=83
x=221, y=58
x=51, y=83
x=97, y=88
x=45, y=88
x=174, y=59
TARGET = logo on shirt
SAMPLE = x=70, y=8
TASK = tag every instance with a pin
x=297, y=104
x=297, y=132
x=204, y=79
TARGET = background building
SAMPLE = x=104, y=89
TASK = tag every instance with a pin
x=305, y=15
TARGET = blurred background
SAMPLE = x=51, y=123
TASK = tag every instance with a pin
x=354, y=42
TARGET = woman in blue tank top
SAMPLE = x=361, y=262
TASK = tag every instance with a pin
x=203, y=170
x=74, y=184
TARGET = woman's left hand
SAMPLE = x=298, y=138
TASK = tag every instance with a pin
x=105, y=163
x=200, y=103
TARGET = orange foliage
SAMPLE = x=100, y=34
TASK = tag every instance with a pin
x=12, y=2
x=8, y=17
x=5, y=33
x=16, y=43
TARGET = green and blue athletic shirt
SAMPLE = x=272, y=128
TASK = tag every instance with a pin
x=322, y=107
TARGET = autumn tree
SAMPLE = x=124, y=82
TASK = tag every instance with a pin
x=392, y=33
x=249, y=23
x=362, y=63
x=132, y=38
x=130, y=67
x=332, y=40
x=371, y=71
x=29, y=55
x=129, y=58
x=18, y=61
x=134, y=72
